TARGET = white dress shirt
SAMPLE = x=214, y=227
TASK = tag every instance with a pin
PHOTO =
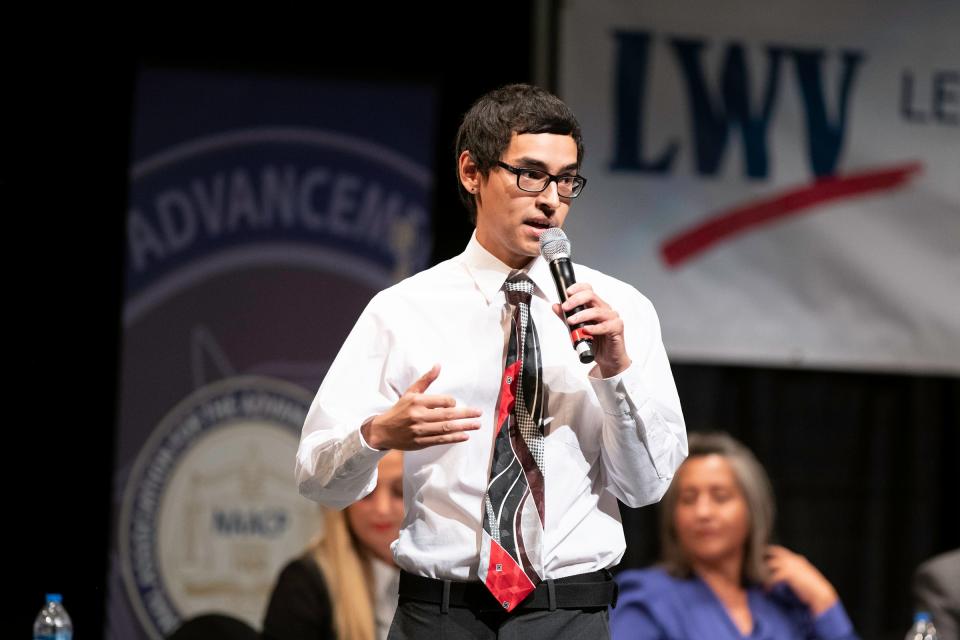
x=621, y=437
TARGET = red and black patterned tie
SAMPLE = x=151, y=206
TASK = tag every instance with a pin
x=510, y=549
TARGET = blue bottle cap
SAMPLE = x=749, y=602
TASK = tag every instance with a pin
x=921, y=616
x=54, y=597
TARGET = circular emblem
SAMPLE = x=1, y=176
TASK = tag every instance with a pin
x=211, y=511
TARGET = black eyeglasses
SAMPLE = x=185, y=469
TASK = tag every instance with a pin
x=535, y=181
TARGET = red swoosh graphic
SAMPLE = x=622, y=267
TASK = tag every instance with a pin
x=725, y=225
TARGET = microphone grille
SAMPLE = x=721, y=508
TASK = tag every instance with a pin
x=554, y=244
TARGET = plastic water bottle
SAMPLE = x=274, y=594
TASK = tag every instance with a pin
x=922, y=628
x=53, y=622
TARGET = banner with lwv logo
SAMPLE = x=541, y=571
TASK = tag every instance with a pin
x=781, y=179
x=264, y=214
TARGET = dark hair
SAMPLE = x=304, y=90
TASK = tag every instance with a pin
x=490, y=123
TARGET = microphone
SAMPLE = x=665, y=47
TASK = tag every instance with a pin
x=555, y=249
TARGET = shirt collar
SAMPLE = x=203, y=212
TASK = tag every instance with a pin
x=489, y=273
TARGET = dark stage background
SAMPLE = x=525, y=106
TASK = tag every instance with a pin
x=862, y=464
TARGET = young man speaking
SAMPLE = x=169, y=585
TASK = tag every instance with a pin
x=517, y=451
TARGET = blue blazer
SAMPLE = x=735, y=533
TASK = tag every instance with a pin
x=655, y=605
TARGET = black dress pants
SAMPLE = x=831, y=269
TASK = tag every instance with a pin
x=416, y=620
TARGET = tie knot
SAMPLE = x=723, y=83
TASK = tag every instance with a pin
x=519, y=288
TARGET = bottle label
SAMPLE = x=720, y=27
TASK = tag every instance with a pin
x=59, y=635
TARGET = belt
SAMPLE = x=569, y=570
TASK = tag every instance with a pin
x=582, y=591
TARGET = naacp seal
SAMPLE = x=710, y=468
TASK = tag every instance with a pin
x=211, y=511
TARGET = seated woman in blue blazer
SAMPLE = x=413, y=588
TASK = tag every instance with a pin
x=720, y=578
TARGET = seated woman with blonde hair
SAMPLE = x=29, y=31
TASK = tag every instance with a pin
x=345, y=586
x=720, y=578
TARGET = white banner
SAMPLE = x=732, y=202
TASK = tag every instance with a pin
x=782, y=179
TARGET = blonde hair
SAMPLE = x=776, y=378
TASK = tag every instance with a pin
x=757, y=492
x=348, y=575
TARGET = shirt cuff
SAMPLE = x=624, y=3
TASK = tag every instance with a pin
x=616, y=393
x=359, y=446
x=833, y=623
